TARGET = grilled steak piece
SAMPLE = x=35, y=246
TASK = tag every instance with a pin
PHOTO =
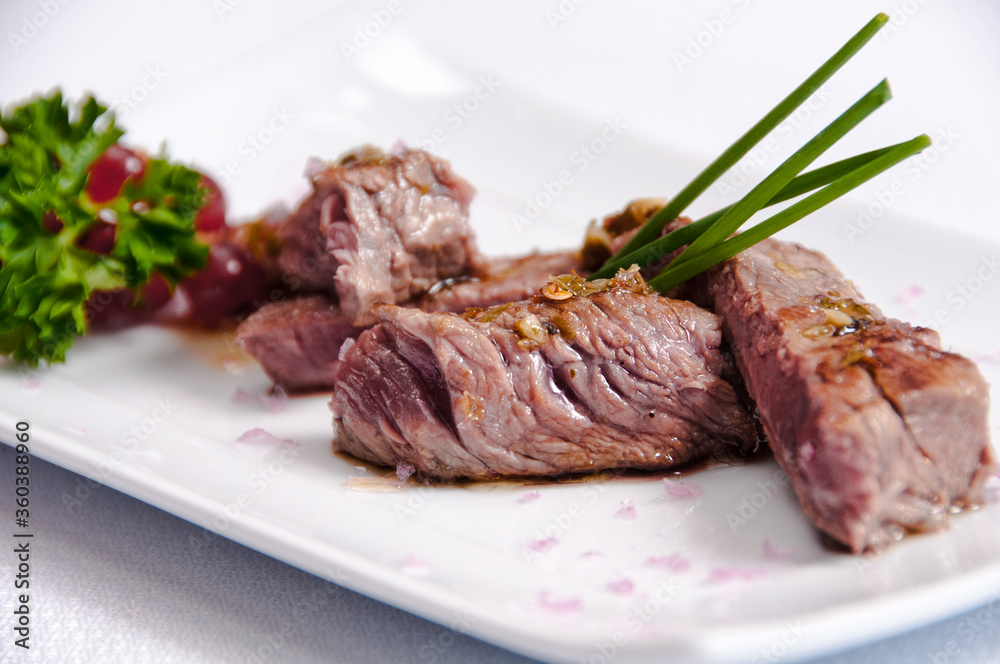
x=499, y=280
x=379, y=228
x=562, y=383
x=879, y=429
x=297, y=341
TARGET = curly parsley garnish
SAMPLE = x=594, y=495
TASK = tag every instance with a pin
x=46, y=275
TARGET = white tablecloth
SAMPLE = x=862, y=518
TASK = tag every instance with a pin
x=116, y=580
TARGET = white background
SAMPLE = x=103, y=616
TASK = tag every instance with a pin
x=599, y=60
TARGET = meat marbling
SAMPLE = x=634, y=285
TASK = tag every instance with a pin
x=297, y=341
x=378, y=228
x=614, y=378
x=880, y=430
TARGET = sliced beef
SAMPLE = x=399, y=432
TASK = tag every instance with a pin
x=499, y=280
x=880, y=430
x=568, y=382
x=379, y=228
x=297, y=341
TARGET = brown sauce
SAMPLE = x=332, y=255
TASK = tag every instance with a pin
x=722, y=459
x=216, y=347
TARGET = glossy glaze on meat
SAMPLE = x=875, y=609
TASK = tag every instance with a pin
x=379, y=228
x=618, y=378
x=880, y=430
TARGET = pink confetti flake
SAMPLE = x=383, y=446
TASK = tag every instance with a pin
x=415, y=567
x=626, y=510
x=724, y=574
x=257, y=442
x=674, y=562
x=561, y=606
x=30, y=386
x=541, y=545
x=258, y=435
x=909, y=294
x=242, y=396
x=404, y=471
x=774, y=551
x=592, y=556
x=683, y=489
x=621, y=587
x=993, y=490
x=530, y=496
x=275, y=402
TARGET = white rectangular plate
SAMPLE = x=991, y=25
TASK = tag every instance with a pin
x=730, y=570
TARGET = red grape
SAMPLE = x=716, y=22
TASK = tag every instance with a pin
x=100, y=238
x=230, y=282
x=110, y=171
x=117, y=309
x=52, y=223
x=212, y=216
